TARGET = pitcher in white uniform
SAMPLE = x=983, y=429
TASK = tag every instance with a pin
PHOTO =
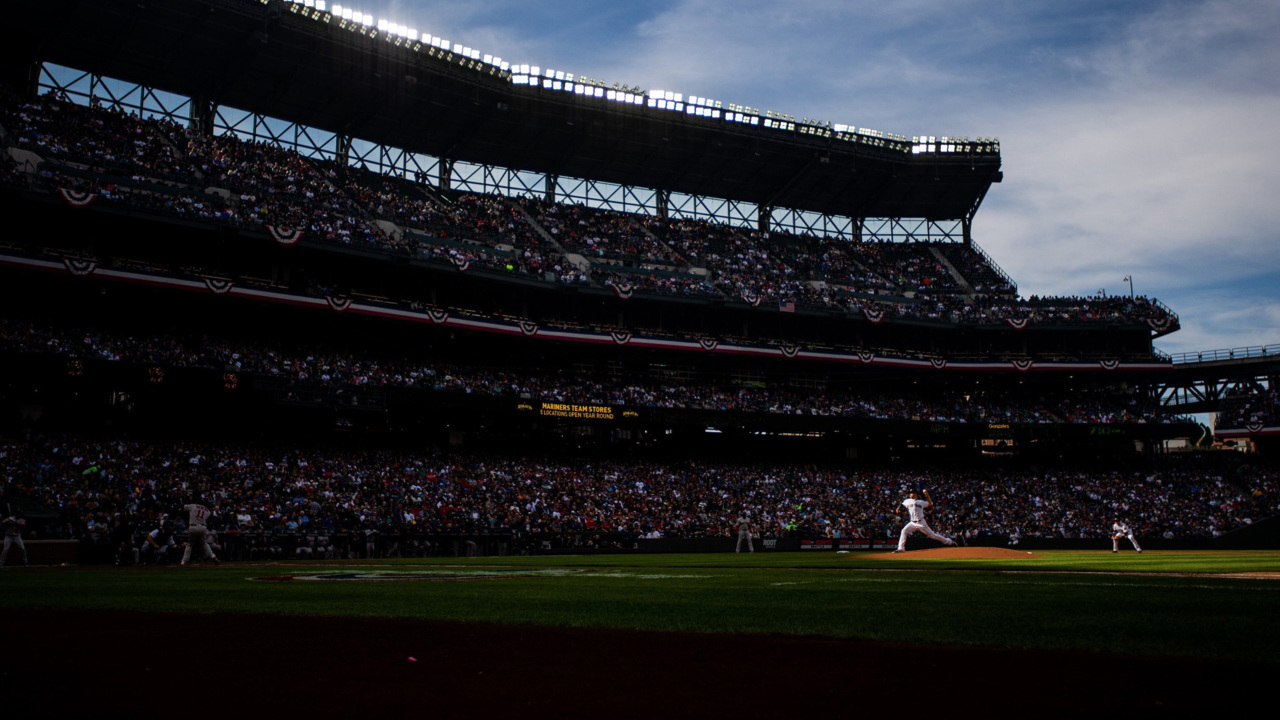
x=915, y=508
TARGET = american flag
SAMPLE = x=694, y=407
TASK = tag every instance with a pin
x=787, y=306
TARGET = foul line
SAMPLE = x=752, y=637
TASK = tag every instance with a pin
x=923, y=581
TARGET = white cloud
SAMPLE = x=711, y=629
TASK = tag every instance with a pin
x=1224, y=319
x=1160, y=167
x=1228, y=43
x=1123, y=183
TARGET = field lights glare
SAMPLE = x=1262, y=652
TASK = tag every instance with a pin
x=697, y=106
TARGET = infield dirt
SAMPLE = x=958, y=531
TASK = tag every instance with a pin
x=959, y=553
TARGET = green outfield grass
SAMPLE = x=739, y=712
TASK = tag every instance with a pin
x=1135, y=604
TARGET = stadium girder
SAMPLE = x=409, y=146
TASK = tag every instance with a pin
x=1201, y=387
x=260, y=57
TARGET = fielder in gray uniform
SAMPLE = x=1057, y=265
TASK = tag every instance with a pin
x=197, y=532
x=915, y=508
x=744, y=532
x=13, y=526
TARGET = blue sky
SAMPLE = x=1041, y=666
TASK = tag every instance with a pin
x=1136, y=136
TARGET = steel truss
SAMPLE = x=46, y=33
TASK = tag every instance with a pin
x=727, y=212
x=1207, y=394
x=306, y=141
x=495, y=180
x=804, y=222
x=450, y=174
x=386, y=160
x=606, y=195
x=912, y=230
x=93, y=90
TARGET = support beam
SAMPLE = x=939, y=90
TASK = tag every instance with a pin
x=202, y=113
x=342, y=150
x=446, y=174
x=1207, y=391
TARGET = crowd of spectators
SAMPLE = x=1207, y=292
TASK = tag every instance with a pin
x=278, y=187
x=743, y=263
x=332, y=368
x=492, y=231
x=385, y=197
x=988, y=309
x=112, y=142
x=664, y=283
x=602, y=234
x=982, y=276
x=1261, y=408
x=95, y=483
x=160, y=166
x=914, y=267
x=487, y=219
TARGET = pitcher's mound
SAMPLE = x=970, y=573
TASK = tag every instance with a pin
x=963, y=553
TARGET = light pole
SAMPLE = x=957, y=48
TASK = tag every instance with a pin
x=1129, y=279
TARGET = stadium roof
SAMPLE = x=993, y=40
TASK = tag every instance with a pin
x=313, y=68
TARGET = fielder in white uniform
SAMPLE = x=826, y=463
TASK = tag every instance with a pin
x=197, y=532
x=1119, y=530
x=915, y=508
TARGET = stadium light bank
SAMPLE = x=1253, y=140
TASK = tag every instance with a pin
x=546, y=79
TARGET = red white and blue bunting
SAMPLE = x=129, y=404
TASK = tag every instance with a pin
x=218, y=286
x=285, y=235
x=77, y=198
x=622, y=290
x=1250, y=429
x=433, y=316
x=79, y=267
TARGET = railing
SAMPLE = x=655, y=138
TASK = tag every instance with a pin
x=1167, y=309
x=999, y=270
x=1240, y=353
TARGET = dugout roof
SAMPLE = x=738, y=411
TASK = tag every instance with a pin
x=268, y=58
